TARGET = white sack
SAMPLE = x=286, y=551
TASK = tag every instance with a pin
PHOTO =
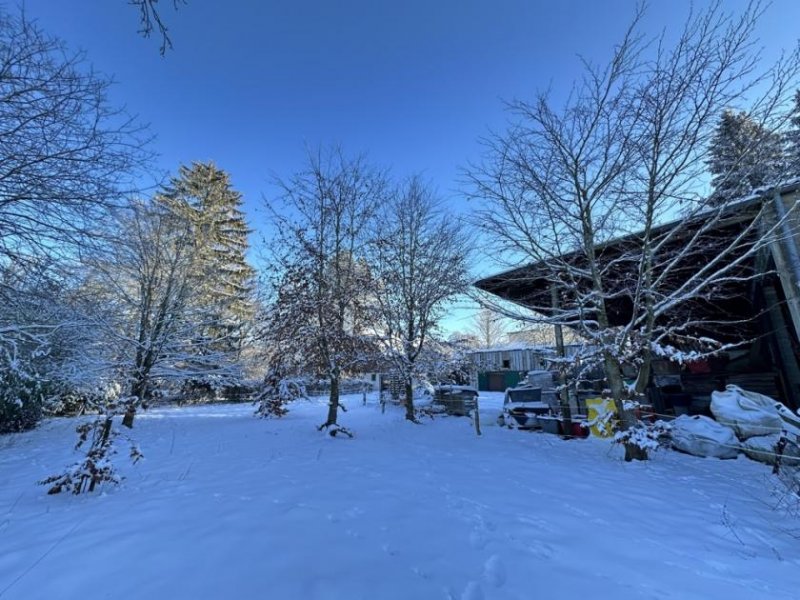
x=702, y=436
x=747, y=413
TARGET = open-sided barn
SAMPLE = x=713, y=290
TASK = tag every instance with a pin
x=756, y=308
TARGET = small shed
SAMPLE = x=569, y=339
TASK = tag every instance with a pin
x=500, y=367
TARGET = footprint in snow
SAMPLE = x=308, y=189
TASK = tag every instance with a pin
x=540, y=524
x=541, y=549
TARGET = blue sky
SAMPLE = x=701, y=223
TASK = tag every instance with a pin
x=414, y=83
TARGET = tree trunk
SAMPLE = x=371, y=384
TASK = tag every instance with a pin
x=127, y=418
x=566, y=412
x=138, y=391
x=333, y=400
x=101, y=443
x=410, y=400
x=627, y=418
x=644, y=371
x=643, y=378
x=612, y=365
x=617, y=385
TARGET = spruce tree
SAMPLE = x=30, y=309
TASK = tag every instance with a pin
x=743, y=156
x=203, y=194
x=793, y=139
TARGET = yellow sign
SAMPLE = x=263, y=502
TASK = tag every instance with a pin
x=602, y=413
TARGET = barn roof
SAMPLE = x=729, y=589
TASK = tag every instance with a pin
x=530, y=285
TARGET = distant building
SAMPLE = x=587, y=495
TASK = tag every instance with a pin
x=500, y=367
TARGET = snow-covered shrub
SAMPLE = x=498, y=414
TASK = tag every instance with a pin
x=20, y=400
x=277, y=392
x=423, y=391
x=239, y=392
x=223, y=386
x=69, y=403
x=97, y=467
x=200, y=390
x=786, y=462
x=66, y=400
x=646, y=437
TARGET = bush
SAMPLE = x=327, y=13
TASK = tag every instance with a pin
x=241, y=392
x=216, y=389
x=20, y=402
x=68, y=401
x=278, y=391
x=97, y=467
x=643, y=438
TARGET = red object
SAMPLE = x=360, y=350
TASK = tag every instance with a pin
x=579, y=430
x=699, y=366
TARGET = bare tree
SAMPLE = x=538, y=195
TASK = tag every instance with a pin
x=320, y=313
x=148, y=284
x=150, y=19
x=66, y=157
x=713, y=65
x=141, y=292
x=420, y=262
x=65, y=154
x=580, y=193
x=489, y=328
x=555, y=185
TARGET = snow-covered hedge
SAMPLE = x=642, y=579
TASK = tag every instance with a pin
x=648, y=437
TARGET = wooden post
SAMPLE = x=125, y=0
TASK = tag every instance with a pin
x=786, y=357
x=566, y=411
x=785, y=253
x=477, y=418
x=787, y=260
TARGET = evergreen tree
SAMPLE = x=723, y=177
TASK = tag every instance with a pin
x=203, y=194
x=743, y=156
x=793, y=139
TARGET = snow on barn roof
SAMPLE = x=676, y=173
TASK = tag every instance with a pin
x=510, y=347
x=754, y=198
x=530, y=285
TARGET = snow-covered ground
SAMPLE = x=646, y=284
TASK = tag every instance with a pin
x=228, y=506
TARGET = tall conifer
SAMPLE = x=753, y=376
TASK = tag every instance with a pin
x=204, y=195
x=743, y=156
